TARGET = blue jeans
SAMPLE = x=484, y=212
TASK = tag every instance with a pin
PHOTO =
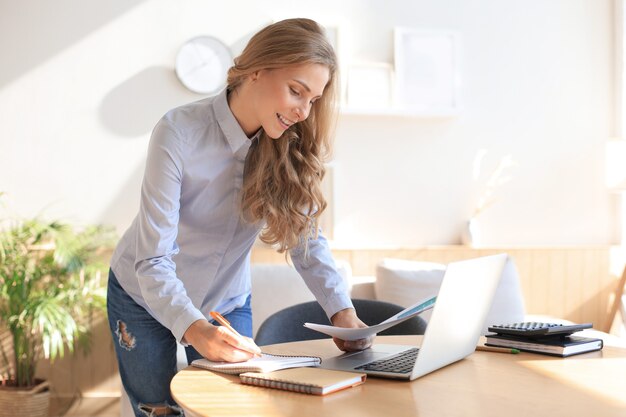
x=146, y=351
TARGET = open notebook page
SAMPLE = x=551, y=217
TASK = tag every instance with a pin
x=265, y=363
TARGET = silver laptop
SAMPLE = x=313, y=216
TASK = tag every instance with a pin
x=464, y=299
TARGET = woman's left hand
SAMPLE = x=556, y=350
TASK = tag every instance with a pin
x=348, y=318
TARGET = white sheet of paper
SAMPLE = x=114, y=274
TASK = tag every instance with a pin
x=344, y=333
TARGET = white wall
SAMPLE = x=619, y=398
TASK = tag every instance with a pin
x=83, y=82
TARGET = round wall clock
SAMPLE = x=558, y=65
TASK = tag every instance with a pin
x=202, y=64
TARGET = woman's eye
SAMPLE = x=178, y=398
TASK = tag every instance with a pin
x=294, y=92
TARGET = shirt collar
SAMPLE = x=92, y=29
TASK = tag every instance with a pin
x=235, y=136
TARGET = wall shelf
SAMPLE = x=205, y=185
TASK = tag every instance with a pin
x=391, y=112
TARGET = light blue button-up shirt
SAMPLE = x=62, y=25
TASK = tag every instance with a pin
x=188, y=250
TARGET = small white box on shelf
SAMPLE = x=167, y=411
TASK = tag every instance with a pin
x=370, y=86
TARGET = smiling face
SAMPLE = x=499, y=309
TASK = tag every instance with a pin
x=284, y=96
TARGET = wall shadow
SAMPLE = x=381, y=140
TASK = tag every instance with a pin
x=59, y=24
x=237, y=47
x=124, y=206
x=133, y=108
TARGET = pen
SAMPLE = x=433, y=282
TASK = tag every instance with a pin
x=497, y=349
x=221, y=320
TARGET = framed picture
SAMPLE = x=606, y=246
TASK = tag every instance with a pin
x=327, y=219
x=332, y=33
x=426, y=64
x=337, y=35
x=370, y=86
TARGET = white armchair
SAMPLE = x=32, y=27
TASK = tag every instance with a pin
x=277, y=286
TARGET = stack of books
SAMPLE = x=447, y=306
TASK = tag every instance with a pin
x=546, y=338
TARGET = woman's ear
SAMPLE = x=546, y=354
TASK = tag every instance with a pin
x=254, y=76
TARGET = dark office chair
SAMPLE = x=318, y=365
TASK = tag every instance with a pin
x=287, y=325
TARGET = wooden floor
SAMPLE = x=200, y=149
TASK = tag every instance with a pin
x=85, y=407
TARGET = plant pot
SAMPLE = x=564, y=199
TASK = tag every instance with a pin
x=30, y=402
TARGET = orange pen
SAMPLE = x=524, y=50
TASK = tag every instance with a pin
x=252, y=348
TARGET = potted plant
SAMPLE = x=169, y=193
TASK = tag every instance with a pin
x=49, y=286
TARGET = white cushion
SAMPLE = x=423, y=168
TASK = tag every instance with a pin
x=407, y=282
x=278, y=286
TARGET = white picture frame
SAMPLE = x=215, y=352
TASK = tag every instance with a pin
x=332, y=33
x=427, y=68
x=337, y=36
x=370, y=86
x=327, y=219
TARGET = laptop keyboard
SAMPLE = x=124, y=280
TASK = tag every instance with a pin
x=401, y=363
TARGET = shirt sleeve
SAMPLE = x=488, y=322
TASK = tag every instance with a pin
x=317, y=268
x=158, y=218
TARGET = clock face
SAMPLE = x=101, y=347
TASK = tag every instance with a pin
x=202, y=64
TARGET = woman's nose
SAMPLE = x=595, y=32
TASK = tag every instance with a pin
x=302, y=113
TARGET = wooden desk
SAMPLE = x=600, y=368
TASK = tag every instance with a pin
x=484, y=384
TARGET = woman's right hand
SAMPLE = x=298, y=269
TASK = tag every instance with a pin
x=218, y=343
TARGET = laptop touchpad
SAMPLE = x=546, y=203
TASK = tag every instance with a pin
x=364, y=356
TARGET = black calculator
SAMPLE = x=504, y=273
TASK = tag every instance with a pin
x=534, y=328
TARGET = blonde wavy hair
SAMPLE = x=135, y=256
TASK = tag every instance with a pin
x=282, y=184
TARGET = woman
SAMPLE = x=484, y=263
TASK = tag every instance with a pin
x=218, y=172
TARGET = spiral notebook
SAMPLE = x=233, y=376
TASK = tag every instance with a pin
x=315, y=381
x=266, y=363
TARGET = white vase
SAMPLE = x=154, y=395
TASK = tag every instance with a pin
x=471, y=234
